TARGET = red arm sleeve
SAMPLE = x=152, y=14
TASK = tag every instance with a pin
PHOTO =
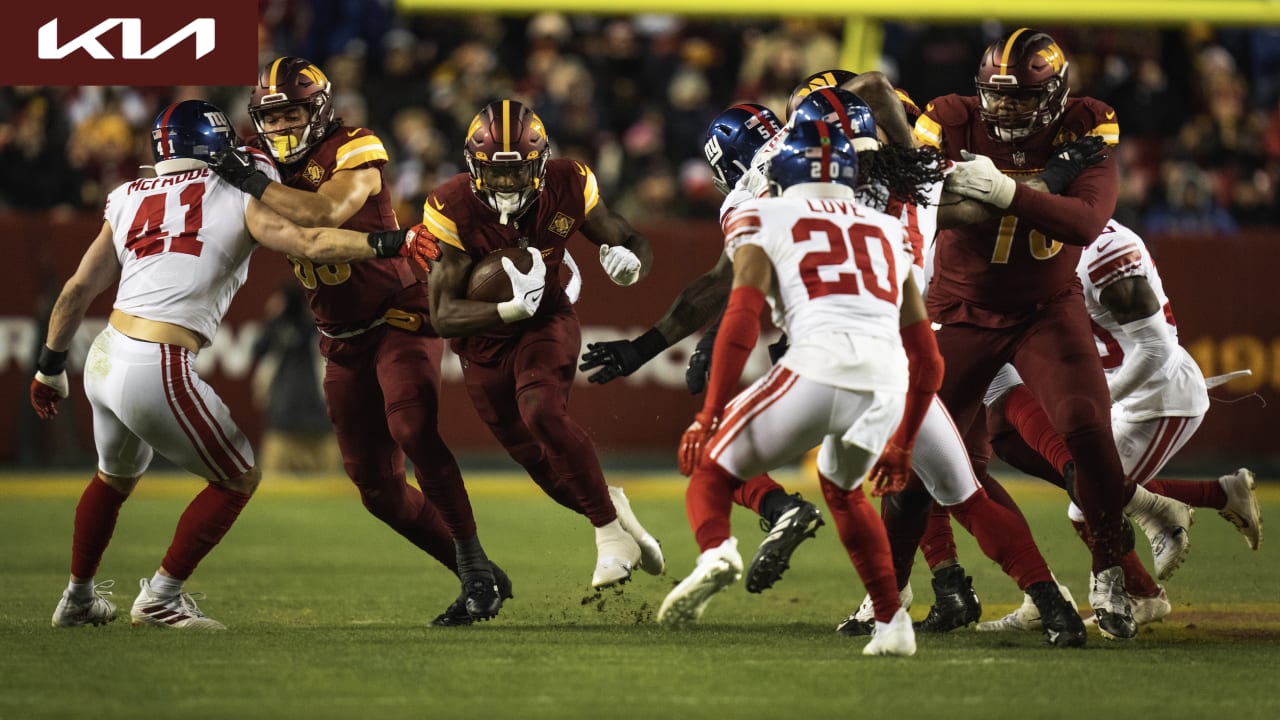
x=1078, y=217
x=926, y=369
x=739, y=330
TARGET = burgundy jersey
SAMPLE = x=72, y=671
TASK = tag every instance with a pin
x=350, y=296
x=997, y=273
x=457, y=217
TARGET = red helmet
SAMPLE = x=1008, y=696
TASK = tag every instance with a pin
x=507, y=152
x=1022, y=84
x=286, y=83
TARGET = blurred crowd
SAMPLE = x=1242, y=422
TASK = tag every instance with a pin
x=1199, y=108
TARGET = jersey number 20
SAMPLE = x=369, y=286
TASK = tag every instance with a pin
x=859, y=237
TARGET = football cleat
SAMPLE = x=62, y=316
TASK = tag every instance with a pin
x=97, y=610
x=955, y=604
x=1242, y=508
x=176, y=611
x=1025, y=617
x=1146, y=610
x=863, y=620
x=1059, y=619
x=617, y=555
x=896, y=637
x=651, y=559
x=456, y=614
x=1110, y=603
x=1165, y=522
x=797, y=523
x=717, y=569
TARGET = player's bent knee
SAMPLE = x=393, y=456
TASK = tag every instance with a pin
x=122, y=484
x=245, y=484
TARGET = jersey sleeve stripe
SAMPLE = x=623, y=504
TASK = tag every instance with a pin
x=741, y=223
x=1110, y=132
x=1114, y=268
x=928, y=131
x=445, y=229
x=590, y=192
x=357, y=152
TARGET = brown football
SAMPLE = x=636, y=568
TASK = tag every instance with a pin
x=489, y=282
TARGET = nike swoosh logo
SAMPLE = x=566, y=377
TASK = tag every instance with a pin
x=1111, y=115
x=928, y=107
x=1103, y=246
x=439, y=205
x=353, y=132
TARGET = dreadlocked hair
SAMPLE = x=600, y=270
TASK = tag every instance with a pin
x=904, y=171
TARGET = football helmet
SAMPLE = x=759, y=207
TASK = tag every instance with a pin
x=733, y=138
x=847, y=111
x=185, y=135
x=814, y=152
x=507, y=152
x=292, y=82
x=823, y=78
x=1022, y=84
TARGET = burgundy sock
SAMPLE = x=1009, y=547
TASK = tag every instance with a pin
x=938, y=543
x=1207, y=494
x=1024, y=413
x=708, y=500
x=1004, y=537
x=205, y=521
x=96, y=515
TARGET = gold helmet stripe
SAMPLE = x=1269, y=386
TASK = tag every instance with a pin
x=506, y=126
x=1008, y=47
x=272, y=76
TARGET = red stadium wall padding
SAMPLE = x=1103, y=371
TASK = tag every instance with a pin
x=1220, y=289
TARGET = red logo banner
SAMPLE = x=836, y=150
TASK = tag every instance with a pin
x=130, y=42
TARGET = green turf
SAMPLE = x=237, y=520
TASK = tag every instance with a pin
x=327, y=613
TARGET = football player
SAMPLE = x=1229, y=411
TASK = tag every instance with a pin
x=382, y=369
x=178, y=246
x=1004, y=290
x=518, y=356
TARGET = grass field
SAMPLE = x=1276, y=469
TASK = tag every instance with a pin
x=327, y=613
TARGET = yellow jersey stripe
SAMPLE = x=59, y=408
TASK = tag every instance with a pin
x=441, y=226
x=928, y=131
x=590, y=192
x=366, y=149
x=1110, y=132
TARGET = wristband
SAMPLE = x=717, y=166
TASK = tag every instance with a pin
x=649, y=345
x=513, y=310
x=256, y=184
x=51, y=362
x=386, y=243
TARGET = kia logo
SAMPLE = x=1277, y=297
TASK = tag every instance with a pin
x=130, y=41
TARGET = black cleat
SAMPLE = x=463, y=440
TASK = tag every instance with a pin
x=797, y=523
x=955, y=605
x=457, y=614
x=1062, y=624
x=853, y=627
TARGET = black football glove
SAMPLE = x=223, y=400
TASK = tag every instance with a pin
x=778, y=349
x=1070, y=159
x=619, y=358
x=699, y=370
x=236, y=166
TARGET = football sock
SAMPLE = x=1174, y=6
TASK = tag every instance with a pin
x=81, y=591
x=1024, y=413
x=774, y=503
x=165, y=586
x=1004, y=537
x=95, y=522
x=938, y=543
x=865, y=541
x=202, y=526
x=708, y=500
x=1196, y=494
x=762, y=496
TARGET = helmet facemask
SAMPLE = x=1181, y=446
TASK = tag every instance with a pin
x=1022, y=85
x=507, y=153
x=287, y=85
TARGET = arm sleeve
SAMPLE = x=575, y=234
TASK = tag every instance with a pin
x=739, y=330
x=1153, y=346
x=1077, y=218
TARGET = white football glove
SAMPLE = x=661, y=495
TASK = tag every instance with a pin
x=574, y=288
x=527, y=289
x=622, y=265
x=979, y=178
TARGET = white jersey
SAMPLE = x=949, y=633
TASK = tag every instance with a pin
x=754, y=183
x=1178, y=388
x=837, y=289
x=183, y=247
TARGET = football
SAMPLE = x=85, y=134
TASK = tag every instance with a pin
x=489, y=282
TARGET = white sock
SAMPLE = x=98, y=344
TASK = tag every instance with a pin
x=165, y=586
x=80, y=591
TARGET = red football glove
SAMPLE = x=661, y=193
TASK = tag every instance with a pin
x=420, y=246
x=46, y=391
x=892, y=470
x=694, y=441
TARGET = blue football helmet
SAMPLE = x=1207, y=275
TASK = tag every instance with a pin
x=733, y=138
x=814, y=152
x=848, y=111
x=185, y=136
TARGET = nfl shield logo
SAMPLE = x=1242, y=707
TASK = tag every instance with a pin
x=1019, y=158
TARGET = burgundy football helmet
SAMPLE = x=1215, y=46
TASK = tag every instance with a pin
x=823, y=78
x=1022, y=84
x=507, y=152
x=286, y=83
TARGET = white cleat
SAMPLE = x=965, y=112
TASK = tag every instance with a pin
x=617, y=554
x=717, y=569
x=895, y=637
x=863, y=620
x=651, y=559
x=176, y=611
x=1242, y=508
x=1146, y=610
x=97, y=610
x=1165, y=522
x=1026, y=617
